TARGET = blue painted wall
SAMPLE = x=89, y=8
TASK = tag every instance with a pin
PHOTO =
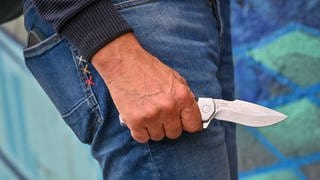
x=35, y=143
x=277, y=60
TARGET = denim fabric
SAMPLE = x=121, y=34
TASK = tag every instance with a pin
x=192, y=37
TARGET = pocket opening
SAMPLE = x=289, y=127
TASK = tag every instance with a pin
x=42, y=46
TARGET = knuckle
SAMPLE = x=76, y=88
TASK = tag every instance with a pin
x=183, y=80
x=179, y=77
x=168, y=105
x=142, y=117
x=136, y=119
x=183, y=94
x=148, y=114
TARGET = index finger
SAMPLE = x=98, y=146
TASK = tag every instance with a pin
x=191, y=118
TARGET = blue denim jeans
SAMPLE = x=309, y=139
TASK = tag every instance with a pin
x=192, y=37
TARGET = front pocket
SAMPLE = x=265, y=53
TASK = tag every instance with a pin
x=51, y=63
x=54, y=66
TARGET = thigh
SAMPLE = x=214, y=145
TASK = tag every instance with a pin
x=185, y=36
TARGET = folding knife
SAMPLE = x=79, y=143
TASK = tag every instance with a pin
x=237, y=111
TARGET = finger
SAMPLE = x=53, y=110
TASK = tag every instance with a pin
x=156, y=132
x=170, y=117
x=189, y=110
x=173, y=128
x=191, y=118
x=140, y=135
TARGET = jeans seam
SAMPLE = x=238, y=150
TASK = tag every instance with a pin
x=96, y=123
x=154, y=166
x=98, y=111
x=225, y=144
x=215, y=4
x=81, y=101
x=130, y=3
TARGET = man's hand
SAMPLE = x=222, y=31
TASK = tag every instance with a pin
x=154, y=101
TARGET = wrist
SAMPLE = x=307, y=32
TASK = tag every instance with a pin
x=117, y=49
x=120, y=53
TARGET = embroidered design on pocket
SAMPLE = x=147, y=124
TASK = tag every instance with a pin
x=81, y=61
x=85, y=69
x=89, y=81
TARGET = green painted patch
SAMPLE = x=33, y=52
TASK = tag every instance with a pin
x=302, y=69
x=296, y=55
x=292, y=43
x=296, y=136
x=277, y=175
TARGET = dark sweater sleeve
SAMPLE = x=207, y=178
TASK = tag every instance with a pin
x=87, y=24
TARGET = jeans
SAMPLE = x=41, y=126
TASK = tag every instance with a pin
x=190, y=36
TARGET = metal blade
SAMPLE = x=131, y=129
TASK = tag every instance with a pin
x=246, y=113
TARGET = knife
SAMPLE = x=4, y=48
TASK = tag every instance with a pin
x=237, y=111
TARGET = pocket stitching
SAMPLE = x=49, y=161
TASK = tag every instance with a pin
x=81, y=101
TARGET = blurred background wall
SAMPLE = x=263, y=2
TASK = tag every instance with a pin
x=35, y=143
x=277, y=60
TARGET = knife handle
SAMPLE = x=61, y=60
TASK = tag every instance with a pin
x=207, y=108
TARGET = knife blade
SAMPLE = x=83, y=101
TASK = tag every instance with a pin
x=237, y=111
